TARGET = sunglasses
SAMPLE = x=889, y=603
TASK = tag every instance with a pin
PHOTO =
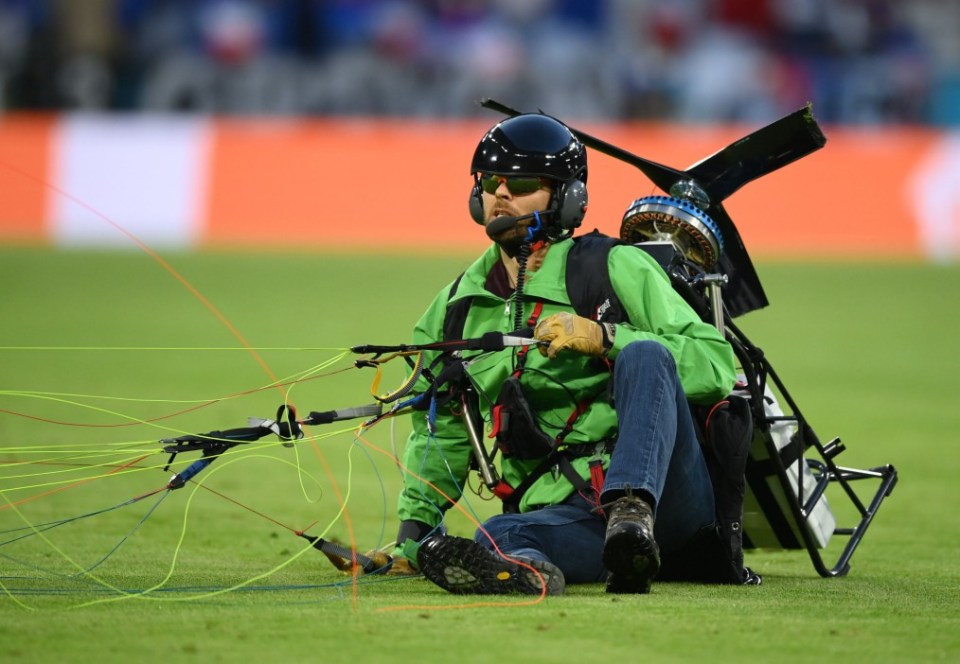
x=516, y=184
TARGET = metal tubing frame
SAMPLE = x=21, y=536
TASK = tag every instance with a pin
x=824, y=469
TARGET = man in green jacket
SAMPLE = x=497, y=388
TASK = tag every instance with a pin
x=601, y=467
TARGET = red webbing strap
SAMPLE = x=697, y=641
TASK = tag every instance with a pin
x=511, y=496
x=522, y=353
x=502, y=490
x=596, y=481
x=574, y=416
x=497, y=420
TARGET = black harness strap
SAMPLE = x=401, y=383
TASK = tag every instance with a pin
x=556, y=459
x=592, y=296
x=456, y=317
x=587, y=281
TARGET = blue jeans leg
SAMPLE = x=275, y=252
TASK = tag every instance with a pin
x=569, y=535
x=657, y=449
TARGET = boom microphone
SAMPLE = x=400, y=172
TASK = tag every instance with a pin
x=499, y=224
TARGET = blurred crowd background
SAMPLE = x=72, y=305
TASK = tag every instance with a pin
x=862, y=62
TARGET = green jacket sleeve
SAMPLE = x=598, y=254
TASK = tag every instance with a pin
x=435, y=464
x=705, y=360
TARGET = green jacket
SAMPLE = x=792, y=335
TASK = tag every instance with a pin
x=704, y=361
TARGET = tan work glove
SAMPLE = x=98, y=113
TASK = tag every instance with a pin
x=391, y=565
x=402, y=567
x=566, y=331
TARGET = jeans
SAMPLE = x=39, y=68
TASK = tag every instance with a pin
x=657, y=453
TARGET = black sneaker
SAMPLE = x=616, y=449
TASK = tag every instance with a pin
x=630, y=553
x=463, y=567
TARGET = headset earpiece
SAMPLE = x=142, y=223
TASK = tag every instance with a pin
x=572, y=204
x=476, y=203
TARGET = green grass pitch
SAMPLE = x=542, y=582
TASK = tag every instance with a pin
x=104, y=353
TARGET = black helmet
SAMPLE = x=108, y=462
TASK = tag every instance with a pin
x=539, y=145
x=531, y=144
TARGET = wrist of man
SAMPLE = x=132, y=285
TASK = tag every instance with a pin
x=608, y=332
x=409, y=536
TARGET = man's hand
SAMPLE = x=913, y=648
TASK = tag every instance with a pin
x=402, y=567
x=391, y=564
x=394, y=563
x=566, y=331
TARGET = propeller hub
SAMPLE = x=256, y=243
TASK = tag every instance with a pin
x=667, y=218
x=689, y=189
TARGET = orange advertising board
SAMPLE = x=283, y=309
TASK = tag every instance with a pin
x=395, y=184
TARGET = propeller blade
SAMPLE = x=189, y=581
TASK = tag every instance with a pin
x=718, y=176
x=753, y=156
x=743, y=292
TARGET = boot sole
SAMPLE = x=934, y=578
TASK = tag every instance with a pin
x=463, y=567
x=633, y=561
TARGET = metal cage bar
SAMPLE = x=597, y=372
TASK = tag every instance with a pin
x=816, y=457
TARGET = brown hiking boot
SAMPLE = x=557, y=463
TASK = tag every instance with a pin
x=630, y=553
x=463, y=567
